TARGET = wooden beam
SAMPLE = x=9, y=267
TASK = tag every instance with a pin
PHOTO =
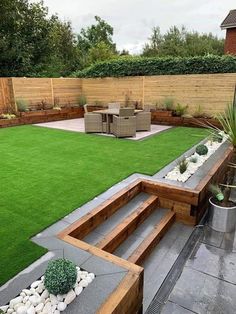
x=128, y=225
x=150, y=242
x=170, y=192
x=93, y=219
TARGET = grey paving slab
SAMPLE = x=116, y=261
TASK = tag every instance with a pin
x=128, y=246
x=163, y=257
x=113, y=190
x=24, y=279
x=83, y=210
x=93, y=237
x=202, y=293
x=214, y=261
x=71, y=252
x=95, y=294
x=123, y=212
x=172, y=308
x=53, y=229
x=147, y=226
x=101, y=267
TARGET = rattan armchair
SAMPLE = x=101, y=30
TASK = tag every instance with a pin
x=124, y=126
x=113, y=105
x=143, y=122
x=93, y=123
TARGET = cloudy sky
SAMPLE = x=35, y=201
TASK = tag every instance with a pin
x=133, y=20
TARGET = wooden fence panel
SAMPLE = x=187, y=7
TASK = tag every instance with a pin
x=67, y=90
x=105, y=90
x=211, y=91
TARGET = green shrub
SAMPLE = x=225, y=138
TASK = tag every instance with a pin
x=168, y=103
x=193, y=159
x=82, y=100
x=22, y=105
x=216, y=137
x=201, y=150
x=60, y=276
x=183, y=165
x=160, y=66
x=180, y=110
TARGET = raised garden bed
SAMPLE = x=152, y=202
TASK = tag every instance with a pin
x=40, y=116
x=37, y=299
x=180, y=121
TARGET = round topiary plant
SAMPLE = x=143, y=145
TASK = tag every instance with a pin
x=60, y=276
x=201, y=150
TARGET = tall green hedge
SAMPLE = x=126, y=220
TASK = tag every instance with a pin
x=127, y=66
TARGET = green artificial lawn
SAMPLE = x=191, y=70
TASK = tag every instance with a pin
x=46, y=174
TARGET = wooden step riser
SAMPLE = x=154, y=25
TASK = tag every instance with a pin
x=151, y=241
x=122, y=231
x=92, y=220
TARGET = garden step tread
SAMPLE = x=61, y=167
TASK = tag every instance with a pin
x=119, y=234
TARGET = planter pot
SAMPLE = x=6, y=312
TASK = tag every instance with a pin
x=221, y=219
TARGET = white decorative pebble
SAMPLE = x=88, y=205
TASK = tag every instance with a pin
x=10, y=311
x=83, y=283
x=35, y=299
x=27, y=291
x=21, y=310
x=47, y=307
x=70, y=297
x=4, y=308
x=45, y=295
x=16, y=301
x=39, y=307
x=53, y=299
x=91, y=275
x=35, y=284
x=61, y=306
x=60, y=297
x=78, y=290
x=31, y=310
x=56, y=312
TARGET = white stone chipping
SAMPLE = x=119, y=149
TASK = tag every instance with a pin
x=175, y=174
x=37, y=299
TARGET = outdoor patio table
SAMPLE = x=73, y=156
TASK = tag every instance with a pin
x=111, y=112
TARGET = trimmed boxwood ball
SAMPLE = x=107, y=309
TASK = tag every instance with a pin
x=60, y=276
x=201, y=150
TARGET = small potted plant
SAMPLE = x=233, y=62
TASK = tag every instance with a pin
x=222, y=211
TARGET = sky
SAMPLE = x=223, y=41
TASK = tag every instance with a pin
x=133, y=20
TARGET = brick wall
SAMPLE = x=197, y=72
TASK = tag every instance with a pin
x=230, y=41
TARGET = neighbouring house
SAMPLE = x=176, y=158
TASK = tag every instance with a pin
x=229, y=24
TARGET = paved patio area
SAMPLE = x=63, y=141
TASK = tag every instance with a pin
x=77, y=125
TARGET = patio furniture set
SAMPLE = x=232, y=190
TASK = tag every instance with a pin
x=121, y=122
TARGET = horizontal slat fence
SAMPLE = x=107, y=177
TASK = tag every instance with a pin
x=59, y=91
x=210, y=91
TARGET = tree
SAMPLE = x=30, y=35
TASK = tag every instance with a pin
x=93, y=37
x=31, y=42
x=100, y=52
x=179, y=42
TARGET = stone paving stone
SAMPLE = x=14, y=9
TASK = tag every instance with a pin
x=83, y=210
x=172, y=308
x=128, y=246
x=214, y=261
x=95, y=294
x=101, y=267
x=113, y=190
x=53, y=229
x=159, y=263
x=93, y=238
x=202, y=293
x=71, y=252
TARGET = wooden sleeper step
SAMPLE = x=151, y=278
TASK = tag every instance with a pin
x=114, y=238
x=154, y=237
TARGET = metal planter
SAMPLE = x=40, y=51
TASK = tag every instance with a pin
x=221, y=219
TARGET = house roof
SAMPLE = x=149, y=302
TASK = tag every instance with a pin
x=229, y=21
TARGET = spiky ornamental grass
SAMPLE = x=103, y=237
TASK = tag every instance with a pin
x=183, y=165
x=60, y=276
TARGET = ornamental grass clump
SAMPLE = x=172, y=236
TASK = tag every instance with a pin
x=60, y=276
x=183, y=165
x=201, y=150
x=194, y=159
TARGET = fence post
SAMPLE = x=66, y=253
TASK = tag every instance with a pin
x=13, y=94
x=52, y=92
x=3, y=94
x=143, y=92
